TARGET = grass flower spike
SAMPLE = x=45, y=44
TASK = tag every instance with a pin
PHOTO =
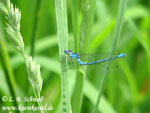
x=34, y=74
x=5, y=5
x=13, y=15
x=13, y=30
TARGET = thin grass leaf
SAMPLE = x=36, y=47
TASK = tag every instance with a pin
x=62, y=30
x=8, y=71
x=139, y=36
x=138, y=11
x=101, y=36
x=130, y=78
x=91, y=92
x=3, y=84
x=75, y=22
x=47, y=63
x=38, y=3
x=88, y=9
x=115, y=37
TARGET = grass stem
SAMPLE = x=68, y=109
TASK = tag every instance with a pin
x=62, y=29
x=88, y=9
x=35, y=27
x=8, y=71
x=115, y=37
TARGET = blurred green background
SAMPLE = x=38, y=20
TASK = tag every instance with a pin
x=127, y=87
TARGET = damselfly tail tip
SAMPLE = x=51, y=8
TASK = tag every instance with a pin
x=122, y=55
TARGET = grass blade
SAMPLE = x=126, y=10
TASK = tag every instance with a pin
x=8, y=70
x=62, y=29
x=139, y=37
x=74, y=8
x=115, y=37
x=35, y=27
x=105, y=106
x=88, y=8
x=33, y=36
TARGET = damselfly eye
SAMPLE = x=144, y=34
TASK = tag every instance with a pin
x=65, y=51
x=70, y=50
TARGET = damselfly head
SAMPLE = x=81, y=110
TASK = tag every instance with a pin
x=69, y=51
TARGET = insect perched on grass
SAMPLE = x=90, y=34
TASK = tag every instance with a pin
x=87, y=57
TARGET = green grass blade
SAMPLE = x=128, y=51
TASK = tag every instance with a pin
x=74, y=8
x=33, y=36
x=115, y=37
x=3, y=84
x=88, y=8
x=139, y=36
x=62, y=25
x=40, y=45
x=62, y=29
x=91, y=92
x=101, y=36
x=119, y=24
x=130, y=78
x=78, y=92
x=8, y=70
x=35, y=26
x=47, y=63
x=138, y=11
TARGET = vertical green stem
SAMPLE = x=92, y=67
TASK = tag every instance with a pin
x=115, y=38
x=79, y=85
x=35, y=27
x=75, y=22
x=62, y=29
x=88, y=9
x=8, y=70
x=78, y=91
x=33, y=38
x=36, y=95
